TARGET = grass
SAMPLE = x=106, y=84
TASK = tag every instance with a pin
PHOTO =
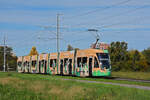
x=132, y=75
x=107, y=80
x=15, y=86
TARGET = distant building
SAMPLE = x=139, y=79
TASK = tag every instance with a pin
x=101, y=46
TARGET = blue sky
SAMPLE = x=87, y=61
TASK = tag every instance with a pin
x=116, y=20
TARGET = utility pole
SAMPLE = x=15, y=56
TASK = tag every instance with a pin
x=57, y=33
x=4, y=54
x=57, y=40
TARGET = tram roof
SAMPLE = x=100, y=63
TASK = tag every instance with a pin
x=66, y=52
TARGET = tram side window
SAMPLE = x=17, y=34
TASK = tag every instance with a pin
x=19, y=64
x=25, y=63
x=65, y=61
x=42, y=63
x=28, y=64
x=79, y=62
x=84, y=61
x=53, y=63
x=96, y=65
x=33, y=63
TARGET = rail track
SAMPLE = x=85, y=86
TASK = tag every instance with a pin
x=123, y=79
x=135, y=80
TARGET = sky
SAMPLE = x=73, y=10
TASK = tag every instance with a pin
x=27, y=23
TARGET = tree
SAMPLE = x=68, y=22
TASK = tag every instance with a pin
x=70, y=48
x=118, y=53
x=124, y=60
x=136, y=57
x=11, y=59
x=146, y=54
x=33, y=51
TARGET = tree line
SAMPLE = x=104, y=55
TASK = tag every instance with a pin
x=123, y=59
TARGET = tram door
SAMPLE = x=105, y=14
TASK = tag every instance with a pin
x=28, y=65
x=90, y=66
x=61, y=67
x=24, y=66
x=70, y=66
x=45, y=66
x=39, y=66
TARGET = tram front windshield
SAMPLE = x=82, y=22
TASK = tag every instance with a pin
x=105, y=64
x=102, y=55
x=104, y=60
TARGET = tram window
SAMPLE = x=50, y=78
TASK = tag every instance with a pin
x=25, y=63
x=52, y=62
x=42, y=63
x=96, y=65
x=105, y=63
x=70, y=62
x=19, y=64
x=84, y=61
x=33, y=63
x=45, y=63
x=28, y=63
x=102, y=56
x=61, y=61
x=65, y=61
x=79, y=62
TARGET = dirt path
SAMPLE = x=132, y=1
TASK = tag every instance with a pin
x=118, y=84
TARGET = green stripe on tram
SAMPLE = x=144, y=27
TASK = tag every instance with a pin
x=98, y=73
x=105, y=51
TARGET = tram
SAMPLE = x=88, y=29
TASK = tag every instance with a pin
x=82, y=63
